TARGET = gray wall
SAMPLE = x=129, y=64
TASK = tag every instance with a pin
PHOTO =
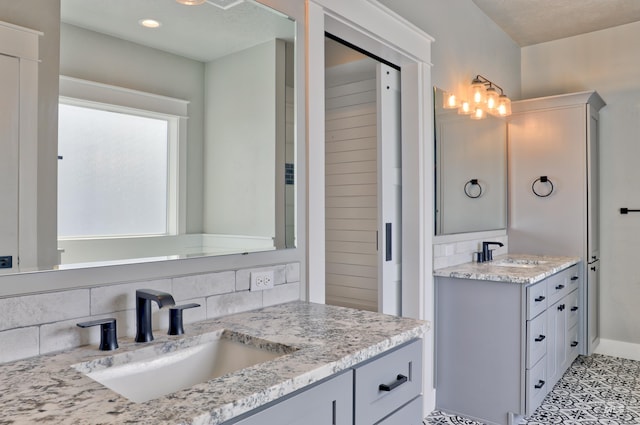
x=240, y=148
x=467, y=43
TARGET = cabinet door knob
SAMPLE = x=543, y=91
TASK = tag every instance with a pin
x=574, y=277
x=540, y=338
x=539, y=385
x=559, y=287
x=574, y=308
x=593, y=268
x=400, y=379
x=540, y=298
x=561, y=307
x=574, y=344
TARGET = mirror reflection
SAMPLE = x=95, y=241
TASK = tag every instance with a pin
x=176, y=138
x=471, y=171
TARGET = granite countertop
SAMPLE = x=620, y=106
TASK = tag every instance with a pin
x=326, y=339
x=513, y=268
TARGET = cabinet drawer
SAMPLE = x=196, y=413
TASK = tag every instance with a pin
x=573, y=309
x=573, y=278
x=410, y=414
x=536, y=340
x=557, y=287
x=536, y=386
x=387, y=383
x=536, y=299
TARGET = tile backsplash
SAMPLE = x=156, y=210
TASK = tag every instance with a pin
x=455, y=252
x=31, y=325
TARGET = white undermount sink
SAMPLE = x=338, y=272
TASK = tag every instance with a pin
x=522, y=263
x=151, y=372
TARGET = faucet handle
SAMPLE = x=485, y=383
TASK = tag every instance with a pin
x=108, y=334
x=175, y=318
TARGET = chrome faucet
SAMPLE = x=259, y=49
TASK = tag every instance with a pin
x=143, y=311
x=487, y=254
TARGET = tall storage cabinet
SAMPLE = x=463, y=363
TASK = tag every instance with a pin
x=553, y=189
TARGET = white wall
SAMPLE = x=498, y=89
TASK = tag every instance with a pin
x=124, y=64
x=467, y=43
x=240, y=142
x=607, y=61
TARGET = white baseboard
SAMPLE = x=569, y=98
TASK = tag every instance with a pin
x=622, y=349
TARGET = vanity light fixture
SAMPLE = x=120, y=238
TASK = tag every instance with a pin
x=483, y=98
x=149, y=23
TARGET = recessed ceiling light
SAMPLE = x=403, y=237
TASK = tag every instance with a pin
x=191, y=2
x=149, y=23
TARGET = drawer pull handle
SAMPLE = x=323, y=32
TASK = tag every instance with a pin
x=539, y=385
x=401, y=379
x=574, y=308
x=574, y=344
x=540, y=298
x=561, y=307
x=540, y=338
x=559, y=287
x=574, y=277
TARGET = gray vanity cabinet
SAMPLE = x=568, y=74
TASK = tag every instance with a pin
x=385, y=390
x=501, y=346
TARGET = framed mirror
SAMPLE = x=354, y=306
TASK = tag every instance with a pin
x=470, y=171
x=175, y=140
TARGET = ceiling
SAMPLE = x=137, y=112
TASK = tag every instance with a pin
x=530, y=22
x=202, y=33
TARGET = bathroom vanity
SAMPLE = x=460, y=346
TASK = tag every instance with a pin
x=506, y=331
x=332, y=365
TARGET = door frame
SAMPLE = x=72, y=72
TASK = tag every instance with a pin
x=373, y=27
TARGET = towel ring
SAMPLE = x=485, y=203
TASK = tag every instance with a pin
x=467, y=188
x=542, y=179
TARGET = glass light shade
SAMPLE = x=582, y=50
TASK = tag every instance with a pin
x=492, y=99
x=465, y=108
x=477, y=92
x=478, y=114
x=504, y=106
x=449, y=101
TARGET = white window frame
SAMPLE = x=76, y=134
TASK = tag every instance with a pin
x=106, y=97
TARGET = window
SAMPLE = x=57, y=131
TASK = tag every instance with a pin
x=113, y=173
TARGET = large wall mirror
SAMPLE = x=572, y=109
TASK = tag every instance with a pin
x=471, y=171
x=176, y=132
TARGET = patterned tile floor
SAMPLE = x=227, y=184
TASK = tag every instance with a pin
x=595, y=390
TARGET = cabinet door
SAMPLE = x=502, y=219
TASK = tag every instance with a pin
x=548, y=143
x=329, y=403
x=556, y=346
x=593, y=296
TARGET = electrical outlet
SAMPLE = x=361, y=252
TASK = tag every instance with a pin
x=261, y=280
